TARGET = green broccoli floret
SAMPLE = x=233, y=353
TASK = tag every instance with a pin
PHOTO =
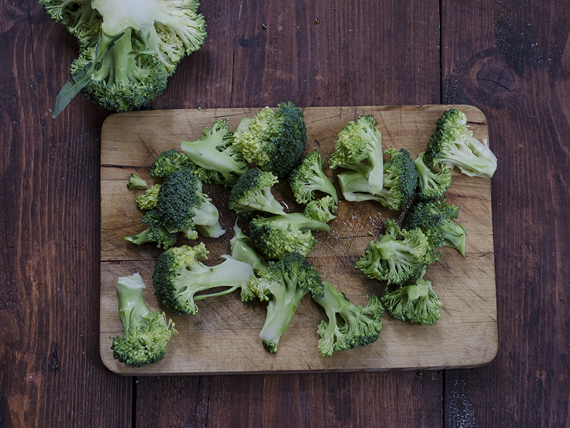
x=278, y=235
x=274, y=141
x=399, y=182
x=147, y=201
x=453, y=145
x=416, y=302
x=397, y=256
x=309, y=177
x=243, y=249
x=321, y=209
x=179, y=277
x=146, y=333
x=252, y=192
x=359, y=148
x=168, y=162
x=284, y=283
x=349, y=325
x=213, y=157
x=135, y=182
x=433, y=185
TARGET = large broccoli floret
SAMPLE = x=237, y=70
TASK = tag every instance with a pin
x=309, y=177
x=276, y=236
x=146, y=333
x=416, y=302
x=453, y=145
x=349, y=325
x=284, y=284
x=252, y=192
x=168, y=162
x=243, y=249
x=274, y=141
x=433, y=185
x=397, y=256
x=321, y=209
x=359, y=149
x=179, y=278
x=148, y=200
x=214, y=158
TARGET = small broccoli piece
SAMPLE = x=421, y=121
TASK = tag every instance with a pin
x=135, y=182
x=433, y=185
x=309, y=177
x=147, y=201
x=213, y=157
x=416, y=302
x=274, y=141
x=397, y=256
x=207, y=219
x=252, y=192
x=348, y=325
x=179, y=277
x=168, y=162
x=455, y=236
x=243, y=249
x=283, y=284
x=276, y=236
x=146, y=333
x=453, y=145
x=359, y=148
x=321, y=209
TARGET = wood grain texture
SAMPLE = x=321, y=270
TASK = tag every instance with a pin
x=512, y=59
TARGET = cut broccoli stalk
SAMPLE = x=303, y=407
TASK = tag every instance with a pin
x=309, y=177
x=433, y=185
x=135, y=182
x=244, y=250
x=416, y=302
x=207, y=220
x=455, y=236
x=252, y=192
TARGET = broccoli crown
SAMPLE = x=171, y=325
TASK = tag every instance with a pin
x=146, y=333
x=243, y=249
x=278, y=235
x=359, y=148
x=147, y=201
x=213, y=157
x=321, y=209
x=348, y=325
x=433, y=185
x=275, y=141
x=168, y=162
x=178, y=278
x=252, y=192
x=309, y=177
x=453, y=145
x=283, y=283
x=397, y=256
x=416, y=302
x=135, y=182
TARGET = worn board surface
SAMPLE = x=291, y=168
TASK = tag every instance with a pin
x=223, y=337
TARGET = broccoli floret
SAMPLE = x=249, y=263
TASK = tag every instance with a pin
x=135, y=182
x=321, y=209
x=168, y=162
x=147, y=201
x=359, y=148
x=397, y=256
x=252, y=192
x=284, y=283
x=146, y=333
x=243, y=249
x=309, y=177
x=454, y=236
x=416, y=302
x=433, y=185
x=348, y=325
x=178, y=278
x=276, y=236
x=213, y=157
x=453, y=145
x=274, y=141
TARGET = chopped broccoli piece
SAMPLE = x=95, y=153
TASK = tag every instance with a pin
x=178, y=278
x=278, y=235
x=252, y=192
x=321, y=209
x=146, y=332
x=147, y=201
x=433, y=185
x=135, y=182
x=453, y=145
x=274, y=141
x=359, y=148
x=213, y=157
x=243, y=249
x=283, y=283
x=309, y=177
x=168, y=162
x=349, y=325
x=416, y=302
x=455, y=236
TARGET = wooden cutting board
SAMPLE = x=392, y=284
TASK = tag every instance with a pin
x=223, y=337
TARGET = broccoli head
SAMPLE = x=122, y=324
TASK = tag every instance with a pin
x=146, y=332
x=321, y=209
x=348, y=325
x=283, y=284
x=309, y=177
x=416, y=302
x=433, y=185
x=135, y=182
x=168, y=162
x=252, y=192
x=147, y=201
x=243, y=249
x=179, y=277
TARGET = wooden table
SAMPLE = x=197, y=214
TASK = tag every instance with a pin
x=510, y=59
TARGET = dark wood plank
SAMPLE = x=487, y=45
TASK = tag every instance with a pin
x=512, y=60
